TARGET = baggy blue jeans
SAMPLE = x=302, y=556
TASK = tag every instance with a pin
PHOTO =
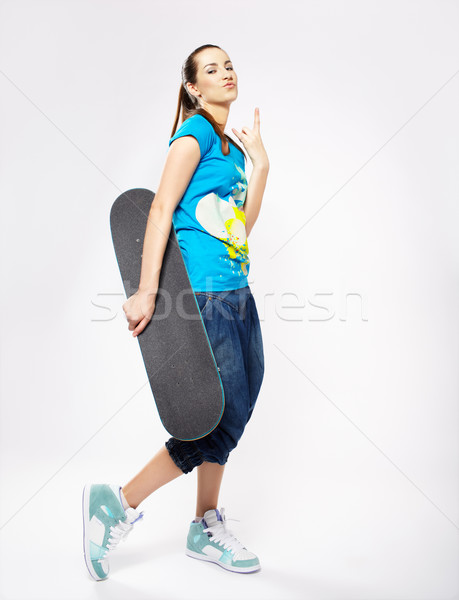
x=233, y=327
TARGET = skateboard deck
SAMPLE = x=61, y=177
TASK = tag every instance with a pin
x=175, y=347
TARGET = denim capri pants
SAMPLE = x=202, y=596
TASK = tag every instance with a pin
x=233, y=327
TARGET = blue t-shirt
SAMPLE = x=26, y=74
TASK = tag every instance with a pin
x=209, y=220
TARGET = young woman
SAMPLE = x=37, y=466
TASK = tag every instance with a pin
x=203, y=191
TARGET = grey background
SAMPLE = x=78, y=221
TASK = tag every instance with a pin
x=346, y=479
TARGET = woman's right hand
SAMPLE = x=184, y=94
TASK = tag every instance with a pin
x=139, y=309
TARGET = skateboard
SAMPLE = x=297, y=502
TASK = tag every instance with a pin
x=178, y=357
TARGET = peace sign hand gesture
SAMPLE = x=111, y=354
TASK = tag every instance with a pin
x=251, y=140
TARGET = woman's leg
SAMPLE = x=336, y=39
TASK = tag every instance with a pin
x=160, y=470
x=210, y=476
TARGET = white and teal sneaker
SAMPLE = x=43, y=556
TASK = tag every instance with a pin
x=211, y=540
x=105, y=523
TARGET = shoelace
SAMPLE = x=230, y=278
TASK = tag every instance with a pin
x=223, y=536
x=121, y=529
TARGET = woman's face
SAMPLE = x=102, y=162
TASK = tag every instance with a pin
x=215, y=70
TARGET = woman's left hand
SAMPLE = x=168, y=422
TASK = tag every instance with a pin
x=251, y=140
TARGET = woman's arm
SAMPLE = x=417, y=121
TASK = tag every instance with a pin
x=181, y=162
x=182, y=159
x=253, y=143
x=255, y=191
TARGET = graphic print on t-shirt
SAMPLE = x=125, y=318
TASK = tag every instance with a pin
x=223, y=219
x=239, y=190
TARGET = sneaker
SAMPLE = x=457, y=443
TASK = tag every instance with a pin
x=105, y=523
x=211, y=540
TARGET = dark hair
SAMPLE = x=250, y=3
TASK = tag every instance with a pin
x=189, y=104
